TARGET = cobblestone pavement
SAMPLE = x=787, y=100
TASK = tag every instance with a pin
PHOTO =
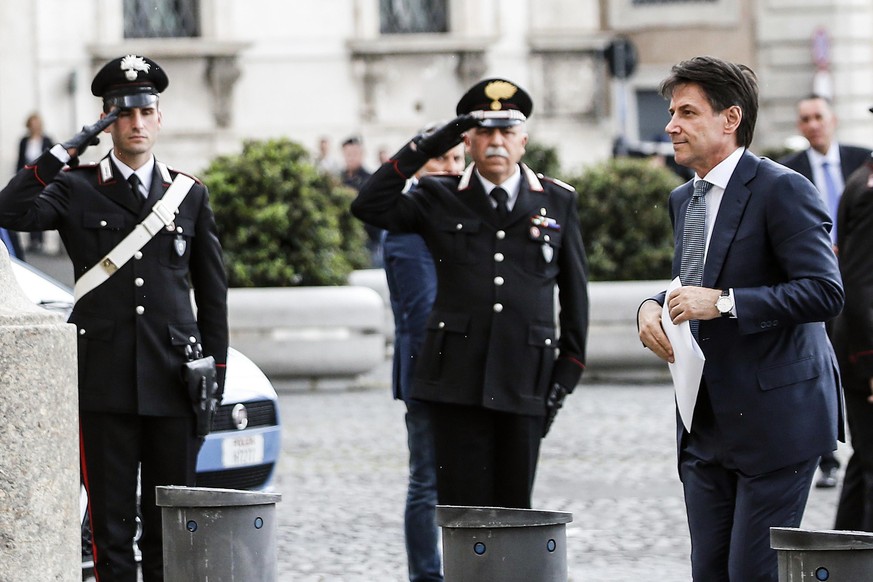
x=610, y=460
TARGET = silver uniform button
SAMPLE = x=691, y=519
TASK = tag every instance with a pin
x=498, y=257
x=138, y=282
x=498, y=281
x=81, y=332
x=441, y=324
x=103, y=223
x=547, y=238
x=498, y=307
x=548, y=342
x=179, y=229
x=140, y=309
x=501, y=234
x=459, y=226
x=137, y=255
x=192, y=339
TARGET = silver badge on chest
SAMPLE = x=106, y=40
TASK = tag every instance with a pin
x=180, y=244
x=548, y=252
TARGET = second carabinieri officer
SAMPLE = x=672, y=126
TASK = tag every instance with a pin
x=493, y=369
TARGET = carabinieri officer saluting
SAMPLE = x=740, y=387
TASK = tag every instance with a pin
x=133, y=309
x=493, y=369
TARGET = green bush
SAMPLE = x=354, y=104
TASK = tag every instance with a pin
x=542, y=159
x=281, y=221
x=625, y=225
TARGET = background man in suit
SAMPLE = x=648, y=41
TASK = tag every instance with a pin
x=768, y=401
x=826, y=163
x=488, y=369
x=134, y=328
x=412, y=285
x=853, y=341
x=817, y=122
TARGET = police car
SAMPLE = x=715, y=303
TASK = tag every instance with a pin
x=241, y=451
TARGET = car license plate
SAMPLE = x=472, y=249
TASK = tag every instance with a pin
x=242, y=450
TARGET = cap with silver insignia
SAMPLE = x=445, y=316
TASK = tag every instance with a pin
x=129, y=81
x=497, y=102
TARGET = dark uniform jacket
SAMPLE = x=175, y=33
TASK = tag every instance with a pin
x=853, y=328
x=132, y=329
x=491, y=336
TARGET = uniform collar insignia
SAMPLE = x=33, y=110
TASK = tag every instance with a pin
x=131, y=65
x=164, y=171
x=532, y=180
x=105, y=170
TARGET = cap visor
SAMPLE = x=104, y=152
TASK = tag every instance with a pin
x=500, y=122
x=132, y=101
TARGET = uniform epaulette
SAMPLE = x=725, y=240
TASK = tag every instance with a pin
x=192, y=176
x=80, y=167
x=557, y=182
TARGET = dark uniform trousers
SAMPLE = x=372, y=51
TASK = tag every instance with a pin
x=132, y=333
x=492, y=349
x=112, y=445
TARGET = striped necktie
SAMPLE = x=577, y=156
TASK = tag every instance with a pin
x=694, y=241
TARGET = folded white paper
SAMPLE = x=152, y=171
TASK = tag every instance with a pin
x=688, y=360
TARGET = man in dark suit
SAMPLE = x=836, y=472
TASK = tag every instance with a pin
x=768, y=404
x=493, y=369
x=135, y=328
x=817, y=123
x=853, y=341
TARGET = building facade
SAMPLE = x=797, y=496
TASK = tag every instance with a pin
x=381, y=69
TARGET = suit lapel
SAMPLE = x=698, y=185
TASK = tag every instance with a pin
x=730, y=212
x=114, y=187
x=531, y=197
x=474, y=196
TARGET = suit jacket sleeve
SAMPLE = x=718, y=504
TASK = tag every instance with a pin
x=802, y=284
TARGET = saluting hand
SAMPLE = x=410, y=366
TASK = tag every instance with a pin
x=77, y=144
x=446, y=137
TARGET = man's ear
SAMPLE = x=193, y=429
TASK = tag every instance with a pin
x=733, y=115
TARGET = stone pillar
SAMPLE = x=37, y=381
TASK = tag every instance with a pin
x=40, y=527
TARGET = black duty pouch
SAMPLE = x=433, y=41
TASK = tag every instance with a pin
x=201, y=378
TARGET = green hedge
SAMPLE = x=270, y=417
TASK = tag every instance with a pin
x=282, y=222
x=625, y=225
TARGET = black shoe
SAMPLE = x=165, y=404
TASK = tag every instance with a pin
x=827, y=479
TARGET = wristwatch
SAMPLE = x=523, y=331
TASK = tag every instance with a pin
x=725, y=303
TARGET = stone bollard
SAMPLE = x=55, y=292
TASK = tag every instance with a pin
x=811, y=556
x=507, y=545
x=219, y=535
x=40, y=530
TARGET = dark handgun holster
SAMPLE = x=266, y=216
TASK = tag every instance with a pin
x=201, y=378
